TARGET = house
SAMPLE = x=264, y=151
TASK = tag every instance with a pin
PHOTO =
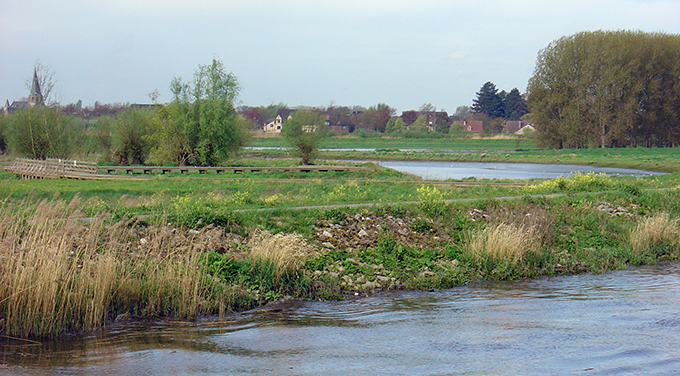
x=526, y=128
x=513, y=126
x=274, y=125
x=474, y=126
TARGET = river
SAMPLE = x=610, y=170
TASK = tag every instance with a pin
x=617, y=323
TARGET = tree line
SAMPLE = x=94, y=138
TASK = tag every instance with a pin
x=200, y=126
x=607, y=89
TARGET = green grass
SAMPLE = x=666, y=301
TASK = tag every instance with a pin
x=448, y=143
x=485, y=150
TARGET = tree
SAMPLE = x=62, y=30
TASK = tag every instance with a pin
x=409, y=116
x=603, y=88
x=200, y=126
x=130, y=141
x=43, y=76
x=3, y=133
x=514, y=105
x=41, y=132
x=488, y=101
x=462, y=113
x=395, y=125
x=304, y=131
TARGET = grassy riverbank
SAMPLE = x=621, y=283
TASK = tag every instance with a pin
x=81, y=258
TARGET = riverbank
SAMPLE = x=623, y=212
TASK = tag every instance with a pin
x=196, y=256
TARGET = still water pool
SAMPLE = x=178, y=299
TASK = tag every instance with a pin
x=618, y=323
x=487, y=170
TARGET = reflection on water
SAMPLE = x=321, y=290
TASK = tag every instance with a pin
x=625, y=322
x=488, y=170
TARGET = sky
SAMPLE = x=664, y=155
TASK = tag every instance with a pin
x=404, y=53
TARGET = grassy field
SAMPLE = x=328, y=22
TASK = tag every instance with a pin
x=77, y=254
x=350, y=142
x=508, y=149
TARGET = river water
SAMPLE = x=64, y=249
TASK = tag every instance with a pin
x=618, y=323
x=492, y=170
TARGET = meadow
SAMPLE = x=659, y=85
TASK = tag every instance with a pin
x=79, y=254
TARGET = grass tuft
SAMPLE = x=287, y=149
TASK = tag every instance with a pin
x=653, y=233
x=504, y=243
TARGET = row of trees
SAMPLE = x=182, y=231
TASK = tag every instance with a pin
x=199, y=126
x=495, y=104
x=607, y=88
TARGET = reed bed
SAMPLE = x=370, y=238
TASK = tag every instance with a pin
x=62, y=272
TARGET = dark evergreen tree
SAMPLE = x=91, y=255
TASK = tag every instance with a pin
x=514, y=105
x=488, y=101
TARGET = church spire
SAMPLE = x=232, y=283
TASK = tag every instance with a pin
x=36, y=97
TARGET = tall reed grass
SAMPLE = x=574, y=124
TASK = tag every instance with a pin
x=654, y=232
x=60, y=272
x=504, y=243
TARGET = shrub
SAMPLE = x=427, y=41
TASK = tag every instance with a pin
x=43, y=132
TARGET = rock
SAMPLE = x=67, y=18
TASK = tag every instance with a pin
x=362, y=233
x=327, y=234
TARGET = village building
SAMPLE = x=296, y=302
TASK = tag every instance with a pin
x=276, y=124
x=514, y=126
x=474, y=126
x=35, y=98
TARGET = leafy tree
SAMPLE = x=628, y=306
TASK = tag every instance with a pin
x=603, y=88
x=200, y=126
x=395, y=125
x=130, y=137
x=420, y=125
x=488, y=101
x=304, y=131
x=41, y=132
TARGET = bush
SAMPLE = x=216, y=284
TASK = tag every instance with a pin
x=43, y=132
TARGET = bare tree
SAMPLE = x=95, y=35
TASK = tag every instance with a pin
x=45, y=78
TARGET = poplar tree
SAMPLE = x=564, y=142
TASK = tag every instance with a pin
x=607, y=89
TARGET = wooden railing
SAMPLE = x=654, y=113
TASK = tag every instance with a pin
x=51, y=168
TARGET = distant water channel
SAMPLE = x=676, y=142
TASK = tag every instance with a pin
x=491, y=170
x=618, y=323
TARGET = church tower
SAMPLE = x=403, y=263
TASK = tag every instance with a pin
x=36, y=97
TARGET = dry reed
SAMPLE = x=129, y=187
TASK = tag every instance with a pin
x=60, y=272
x=287, y=252
x=505, y=243
x=655, y=231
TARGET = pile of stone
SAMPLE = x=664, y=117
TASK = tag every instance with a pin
x=361, y=232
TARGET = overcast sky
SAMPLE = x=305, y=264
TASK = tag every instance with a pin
x=301, y=52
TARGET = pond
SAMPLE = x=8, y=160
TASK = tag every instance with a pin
x=623, y=322
x=492, y=170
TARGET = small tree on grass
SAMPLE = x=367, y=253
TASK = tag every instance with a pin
x=43, y=132
x=304, y=131
x=200, y=126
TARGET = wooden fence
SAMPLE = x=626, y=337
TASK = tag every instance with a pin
x=52, y=168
